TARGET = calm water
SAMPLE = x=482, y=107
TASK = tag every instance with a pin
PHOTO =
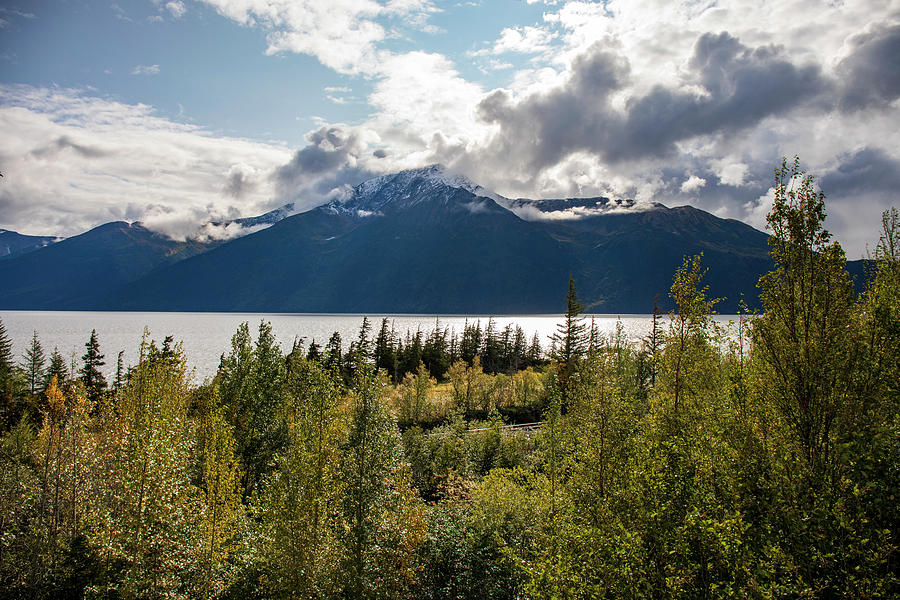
x=207, y=335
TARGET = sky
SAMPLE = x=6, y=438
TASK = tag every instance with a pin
x=179, y=112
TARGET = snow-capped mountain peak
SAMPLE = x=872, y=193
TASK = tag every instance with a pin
x=434, y=183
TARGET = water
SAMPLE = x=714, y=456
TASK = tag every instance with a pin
x=206, y=336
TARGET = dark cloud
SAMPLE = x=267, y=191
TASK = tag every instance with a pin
x=870, y=77
x=866, y=171
x=743, y=86
x=238, y=183
x=542, y=129
x=321, y=169
x=328, y=149
x=380, y=153
x=64, y=142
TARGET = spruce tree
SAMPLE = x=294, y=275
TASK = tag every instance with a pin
x=120, y=371
x=571, y=335
x=7, y=383
x=91, y=375
x=56, y=367
x=535, y=351
x=314, y=353
x=6, y=360
x=33, y=364
x=570, y=342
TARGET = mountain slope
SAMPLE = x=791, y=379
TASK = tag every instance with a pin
x=14, y=244
x=79, y=272
x=426, y=241
x=413, y=245
x=419, y=241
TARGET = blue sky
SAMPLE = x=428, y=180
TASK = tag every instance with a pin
x=175, y=112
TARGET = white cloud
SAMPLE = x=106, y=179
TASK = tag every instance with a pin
x=176, y=8
x=145, y=70
x=730, y=173
x=521, y=40
x=692, y=184
x=342, y=34
x=526, y=40
x=72, y=161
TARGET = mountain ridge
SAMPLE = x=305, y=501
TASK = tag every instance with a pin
x=419, y=241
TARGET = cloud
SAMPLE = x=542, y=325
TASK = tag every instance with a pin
x=864, y=171
x=241, y=180
x=72, y=161
x=869, y=75
x=523, y=40
x=730, y=172
x=342, y=34
x=543, y=128
x=677, y=102
x=63, y=142
x=145, y=70
x=176, y=8
x=324, y=169
x=692, y=184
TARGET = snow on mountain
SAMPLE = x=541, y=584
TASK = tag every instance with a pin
x=435, y=184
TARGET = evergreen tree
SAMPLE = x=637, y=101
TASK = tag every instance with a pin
x=385, y=351
x=492, y=349
x=470, y=345
x=314, y=352
x=9, y=413
x=91, y=375
x=570, y=343
x=6, y=358
x=120, y=371
x=57, y=368
x=535, y=352
x=250, y=383
x=33, y=365
x=334, y=358
x=571, y=337
x=654, y=340
x=519, y=359
x=363, y=341
x=412, y=354
x=434, y=353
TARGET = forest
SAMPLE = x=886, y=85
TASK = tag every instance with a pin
x=695, y=464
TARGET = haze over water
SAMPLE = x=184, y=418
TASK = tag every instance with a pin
x=206, y=336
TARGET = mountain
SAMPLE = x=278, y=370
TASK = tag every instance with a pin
x=80, y=272
x=409, y=242
x=429, y=241
x=418, y=241
x=14, y=244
